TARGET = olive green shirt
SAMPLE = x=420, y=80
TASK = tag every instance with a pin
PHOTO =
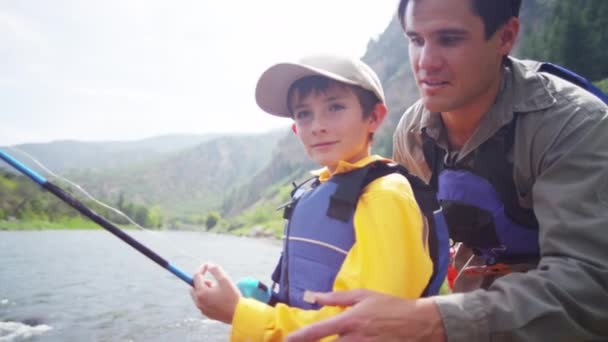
x=560, y=158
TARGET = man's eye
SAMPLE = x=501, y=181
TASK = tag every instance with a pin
x=449, y=40
x=417, y=41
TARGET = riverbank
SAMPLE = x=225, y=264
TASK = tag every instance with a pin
x=78, y=223
x=75, y=223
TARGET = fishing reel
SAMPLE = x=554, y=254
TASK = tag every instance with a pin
x=253, y=288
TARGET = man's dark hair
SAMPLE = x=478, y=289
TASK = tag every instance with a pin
x=306, y=85
x=493, y=13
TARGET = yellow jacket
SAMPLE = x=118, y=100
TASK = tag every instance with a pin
x=389, y=256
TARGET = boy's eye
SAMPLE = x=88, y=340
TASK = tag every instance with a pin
x=336, y=107
x=303, y=114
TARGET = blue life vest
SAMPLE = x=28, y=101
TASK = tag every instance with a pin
x=319, y=233
x=315, y=247
x=480, y=201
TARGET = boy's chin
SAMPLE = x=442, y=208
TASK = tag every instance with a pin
x=324, y=162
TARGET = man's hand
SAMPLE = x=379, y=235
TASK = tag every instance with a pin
x=375, y=317
x=216, y=301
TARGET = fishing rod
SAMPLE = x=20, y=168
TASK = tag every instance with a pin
x=86, y=211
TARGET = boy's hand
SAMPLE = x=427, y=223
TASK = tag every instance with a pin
x=217, y=301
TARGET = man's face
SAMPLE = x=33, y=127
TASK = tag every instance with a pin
x=454, y=64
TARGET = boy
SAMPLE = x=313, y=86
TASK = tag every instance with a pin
x=337, y=104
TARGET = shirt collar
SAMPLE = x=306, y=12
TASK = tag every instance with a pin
x=324, y=174
x=530, y=94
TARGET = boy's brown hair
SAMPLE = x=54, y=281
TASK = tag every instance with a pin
x=312, y=84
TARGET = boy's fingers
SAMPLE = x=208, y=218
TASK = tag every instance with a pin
x=198, y=279
x=218, y=273
x=202, y=269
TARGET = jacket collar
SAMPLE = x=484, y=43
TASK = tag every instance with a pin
x=344, y=167
x=522, y=90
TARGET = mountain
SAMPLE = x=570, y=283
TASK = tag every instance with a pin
x=388, y=56
x=245, y=177
x=61, y=156
x=287, y=163
x=189, y=182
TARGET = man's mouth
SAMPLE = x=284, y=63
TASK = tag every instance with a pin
x=433, y=85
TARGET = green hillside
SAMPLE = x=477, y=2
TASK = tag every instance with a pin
x=603, y=85
x=387, y=55
x=190, y=182
x=235, y=183
x=61, y=156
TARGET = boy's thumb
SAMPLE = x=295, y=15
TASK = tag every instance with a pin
x=220, y=276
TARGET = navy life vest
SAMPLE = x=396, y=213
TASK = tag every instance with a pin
x=480, y=201
x=319, y=232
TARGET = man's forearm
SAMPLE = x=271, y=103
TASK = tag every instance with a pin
x=545, y=304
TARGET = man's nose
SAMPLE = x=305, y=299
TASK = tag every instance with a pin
x=430, y=58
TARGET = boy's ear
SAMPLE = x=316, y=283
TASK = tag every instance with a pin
x=294, y=129
x=378, y=115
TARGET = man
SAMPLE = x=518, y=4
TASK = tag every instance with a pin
x=481, y=113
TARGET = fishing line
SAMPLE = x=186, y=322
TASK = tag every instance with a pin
x=67, y=198
x=181, y=252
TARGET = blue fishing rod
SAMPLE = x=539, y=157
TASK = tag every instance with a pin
x=84, y=210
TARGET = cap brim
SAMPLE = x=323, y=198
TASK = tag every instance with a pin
x=273, y=86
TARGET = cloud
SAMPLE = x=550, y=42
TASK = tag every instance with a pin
x=126, y=69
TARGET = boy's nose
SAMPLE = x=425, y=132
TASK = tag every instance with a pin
x=318, y=124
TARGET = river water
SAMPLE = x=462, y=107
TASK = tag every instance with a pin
x=91, y=286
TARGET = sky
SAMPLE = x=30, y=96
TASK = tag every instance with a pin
x=130, y=69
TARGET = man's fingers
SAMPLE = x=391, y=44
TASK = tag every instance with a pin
x=316, y=331
x=341, y=298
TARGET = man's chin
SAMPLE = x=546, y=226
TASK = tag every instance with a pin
x=433, y=106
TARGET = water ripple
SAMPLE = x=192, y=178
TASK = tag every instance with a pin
x=17, y=331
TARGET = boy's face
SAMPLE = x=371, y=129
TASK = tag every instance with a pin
x=454, y=64
x=331, y=126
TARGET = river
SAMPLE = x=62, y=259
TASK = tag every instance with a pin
x=90, y=286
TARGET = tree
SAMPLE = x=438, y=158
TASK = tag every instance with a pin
x=574, y=36
x=142, y=216
x=156, y=217
x=212, y=219
x=120, y=203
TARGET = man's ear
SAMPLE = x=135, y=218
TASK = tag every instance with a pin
x=508, y=35
x=294, y=128
x=377, y=116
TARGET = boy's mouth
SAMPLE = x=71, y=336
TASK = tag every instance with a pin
x=323, y=144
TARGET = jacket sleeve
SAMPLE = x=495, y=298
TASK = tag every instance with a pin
x=566, y=297
x=388, y=256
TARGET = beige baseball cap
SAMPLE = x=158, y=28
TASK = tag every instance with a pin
x=273, y=85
